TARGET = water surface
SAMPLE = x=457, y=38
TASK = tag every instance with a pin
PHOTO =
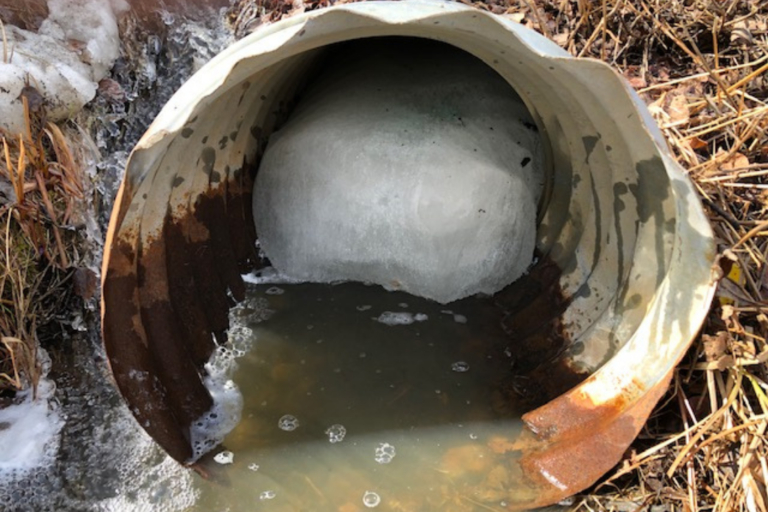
x=357, y=397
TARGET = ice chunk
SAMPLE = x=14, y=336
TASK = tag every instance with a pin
x=74, y=48
x=225, y=457
x=413, y=166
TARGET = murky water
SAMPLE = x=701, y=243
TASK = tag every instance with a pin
x=356, y=397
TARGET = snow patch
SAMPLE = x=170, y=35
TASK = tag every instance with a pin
x=74, y=48
x=29, y=429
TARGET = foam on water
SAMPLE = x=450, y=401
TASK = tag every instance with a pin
x=384, y=453
x=336, y=433
x=400, y=318
x=211, y=428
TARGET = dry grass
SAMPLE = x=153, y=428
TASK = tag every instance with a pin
x=701, y=67
x=39, y=185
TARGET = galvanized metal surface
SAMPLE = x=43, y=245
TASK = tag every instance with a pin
x=620, y=221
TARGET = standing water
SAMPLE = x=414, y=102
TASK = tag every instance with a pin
x=356, y=397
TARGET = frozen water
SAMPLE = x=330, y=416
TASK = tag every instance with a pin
x=414, y=167
x=384, y=453
x=72, y=50
x=225, y=457
x=371, y=499
x=268, y=275
x=29, y=429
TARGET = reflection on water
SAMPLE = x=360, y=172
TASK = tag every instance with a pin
x=359, y=398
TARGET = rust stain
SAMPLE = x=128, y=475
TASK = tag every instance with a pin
x=211, y=210
x=572, y=459
x=569, y=441
x=185, y=295
x=129, y=358
x=242, y=230
x=167, y=297
x=185, y=393
x=531, y=309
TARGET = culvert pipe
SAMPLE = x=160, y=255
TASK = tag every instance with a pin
x=623, y=277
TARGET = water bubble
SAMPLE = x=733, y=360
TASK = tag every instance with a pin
x=403, y=304
x=420, y=317
x=336, y=433
x=288, y=423
x=267, y=495
x=385, y=452
x=460, y=319
x=371, y=499
x=225, y=457
x=253, y=466
x=274, y=290
x=364, y=307
x=460, y=366
x=363, y=355
x=473, y=436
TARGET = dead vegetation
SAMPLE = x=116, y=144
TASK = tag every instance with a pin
x=40, y=183
x=701, y=68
